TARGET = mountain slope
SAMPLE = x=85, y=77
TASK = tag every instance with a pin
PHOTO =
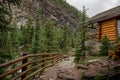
x=58, y=10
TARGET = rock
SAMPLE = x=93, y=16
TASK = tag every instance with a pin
x=42, y=77
x=93, y=46
x=107, y=69
x=116, y=68
x=80, y=66
x=66, y=75
x=51, y=79
x=60, y=14
x=93, y=60
x=65, y=56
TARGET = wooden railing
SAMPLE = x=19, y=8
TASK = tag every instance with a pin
x=28, y=67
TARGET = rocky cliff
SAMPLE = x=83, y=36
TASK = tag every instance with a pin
x=58, y=10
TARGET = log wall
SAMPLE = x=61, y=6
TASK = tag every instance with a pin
x=108, y=28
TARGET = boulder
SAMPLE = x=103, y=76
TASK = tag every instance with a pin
x=105, y=68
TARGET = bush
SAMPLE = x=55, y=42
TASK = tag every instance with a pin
x=104, y=47
x=115, y=54
x=111, y=53
x=117, y=40
x=117, y=49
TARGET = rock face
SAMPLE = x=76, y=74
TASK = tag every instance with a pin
x=60, y=14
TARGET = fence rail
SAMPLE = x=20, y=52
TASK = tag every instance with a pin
x=28, y=66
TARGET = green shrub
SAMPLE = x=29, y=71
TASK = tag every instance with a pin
x=97, y=77
x=104, y=47
x=117, y=40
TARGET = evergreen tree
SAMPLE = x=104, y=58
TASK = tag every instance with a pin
x=104, y=47
x=57, y=34
x=5, y=37
x=42, y=39
x=65, y=41
x=81, y=49
x=36, y=35
x=58, y=37
x=50, y=36
x=30, y=30
x=23, y=37
x=6, y=13
x=117, y=40
x=74, y=38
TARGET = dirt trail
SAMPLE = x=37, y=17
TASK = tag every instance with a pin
x=88, y=69
x=63, y=70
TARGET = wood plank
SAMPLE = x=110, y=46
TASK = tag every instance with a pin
x=109, y=30
x=109, y=35
x=110, y=23
x=108, y=27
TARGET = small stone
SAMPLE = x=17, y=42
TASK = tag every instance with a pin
x=51, y=79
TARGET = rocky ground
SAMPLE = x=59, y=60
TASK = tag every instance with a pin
x=100, y=68
x=64, y=70
x=88, y=69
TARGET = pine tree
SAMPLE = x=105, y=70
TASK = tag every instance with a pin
x=65, y=41
x=36, y=35
x=117, y=40
x=104, y=47
x=29, y=31
x=6, y=13
x=74, y=38
x=50, y=36
x=23, y=37
x=81, y=48
x=42, y=39
x=5, y=38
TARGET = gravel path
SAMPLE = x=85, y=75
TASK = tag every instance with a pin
x=67, y=63
x=63, y=70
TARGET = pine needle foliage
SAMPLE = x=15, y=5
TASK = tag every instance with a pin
x=65, y=42
x=81, y=48
x=104, y=47
x=50, y=42
x=5, y=30
x=36, y=35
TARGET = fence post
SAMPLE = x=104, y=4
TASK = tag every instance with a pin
x=54, y=55
x=43, y=61
x=24, y=68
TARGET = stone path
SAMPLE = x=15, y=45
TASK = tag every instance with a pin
x=63, y=70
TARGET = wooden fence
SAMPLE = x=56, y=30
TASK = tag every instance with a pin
x=28, y=67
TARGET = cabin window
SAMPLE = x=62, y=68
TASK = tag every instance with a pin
x=118, y=26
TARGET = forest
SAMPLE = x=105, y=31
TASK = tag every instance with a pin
x=41, y=34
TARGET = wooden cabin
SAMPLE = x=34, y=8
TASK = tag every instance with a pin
x=108, y=23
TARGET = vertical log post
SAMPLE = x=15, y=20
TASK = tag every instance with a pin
x=52, y=58
x=24, y=68
x=55, y=58
x=43, y=56
x=43, y=65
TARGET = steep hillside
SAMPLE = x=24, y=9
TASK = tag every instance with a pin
x=58, y=10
